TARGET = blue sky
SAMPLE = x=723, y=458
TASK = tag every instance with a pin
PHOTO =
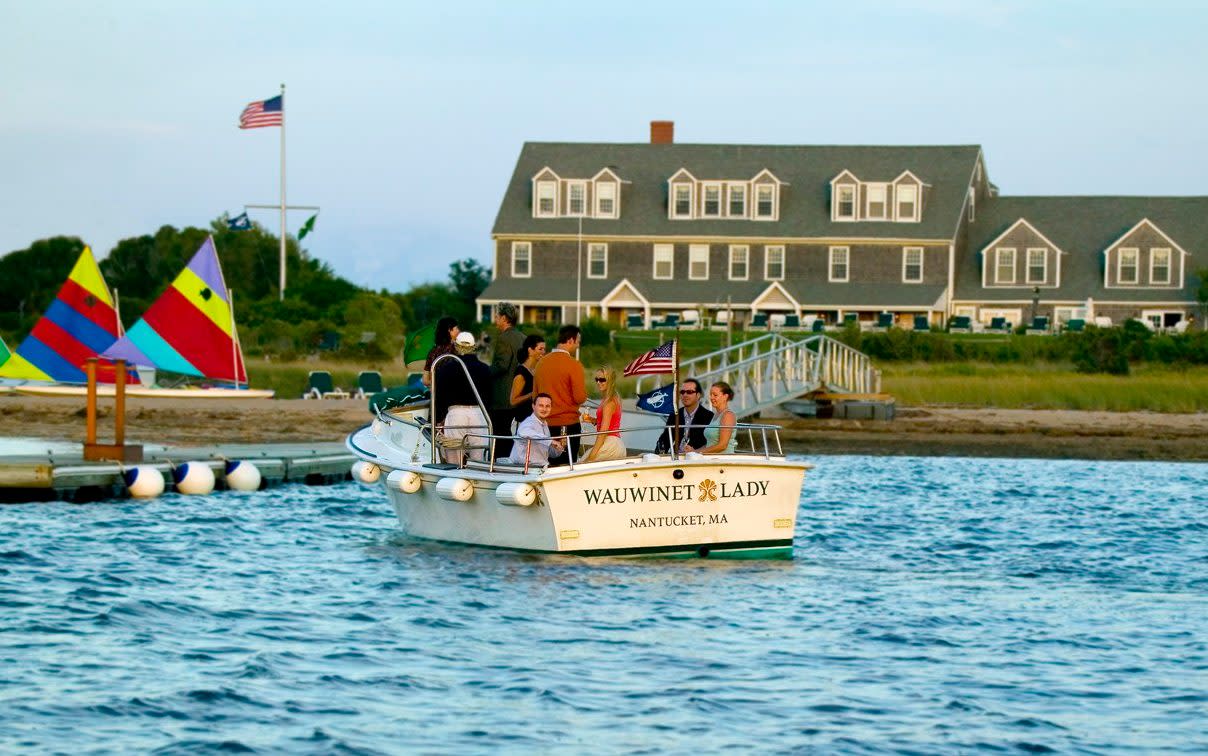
x=404, y=120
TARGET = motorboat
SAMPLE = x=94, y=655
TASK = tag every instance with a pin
x=738, y=505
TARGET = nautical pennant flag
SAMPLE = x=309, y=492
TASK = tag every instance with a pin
x=4, y=352
x=261, y=113
x=240, y=222
x=658, y=360
x=659, y=400
x=307, y=227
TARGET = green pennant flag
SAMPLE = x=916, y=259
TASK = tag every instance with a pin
x=307, y=227
x=4, y=353
x=415, y=353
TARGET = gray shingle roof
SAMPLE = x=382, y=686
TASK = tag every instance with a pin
x=805, y=201
x=1083, y=227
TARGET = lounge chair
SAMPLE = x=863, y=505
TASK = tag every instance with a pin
x=369, y=382
x=721, y=321
x=670, y=320
x=818, y=326
x=776, y=321
x=960, y=324
x=884, y=321
x=635, y=322
x=1075, y=325
x=921, y=323
x=792, y=322
x=1000, y=324
x=759, y=322
x=1103, y=321
x=690, y=319
x=1039, y=327
x=851, y=318
x=320, y=386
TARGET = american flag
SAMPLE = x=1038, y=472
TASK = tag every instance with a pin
x=658, y=360
x=263, y=113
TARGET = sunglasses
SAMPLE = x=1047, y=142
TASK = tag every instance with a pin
x=686, y=391
x=601, y=380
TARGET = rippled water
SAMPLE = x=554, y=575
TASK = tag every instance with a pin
x=934, y=605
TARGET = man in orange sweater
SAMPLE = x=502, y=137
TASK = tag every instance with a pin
x=560, y=375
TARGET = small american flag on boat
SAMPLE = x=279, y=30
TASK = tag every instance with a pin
x=658, y=360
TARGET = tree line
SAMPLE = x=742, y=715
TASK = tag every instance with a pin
x=321, y=310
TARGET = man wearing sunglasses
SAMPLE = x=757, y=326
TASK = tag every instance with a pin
x=690, y=414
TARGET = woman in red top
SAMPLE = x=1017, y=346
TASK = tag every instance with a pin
x=608, y=418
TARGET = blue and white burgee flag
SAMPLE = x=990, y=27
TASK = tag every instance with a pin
x=240, y=223
x=658, y=400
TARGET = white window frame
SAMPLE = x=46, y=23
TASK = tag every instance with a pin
x=855, y=202
x=1153, y=256
x=767, y=258
x=704, y=199
x=1136, y=266
x=527, y=247
x=897, y=202
x=741, y=190
x=571, y=186
x=594, y=247
x=868, y=190
x=745, y=251
x=831, y=261
x=667, y=251
x=771, y=188
x=1000, y=255
x=1044, y=265
x=675, y=199
x=553, y=212
x=906, y=253
x=972, y=204
x=610, y=186
x=698, y=251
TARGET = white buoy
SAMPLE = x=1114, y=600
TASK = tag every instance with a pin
x=195, y=478
x=143, y=482
x=242, y=475
x=366, y=472
x=404, y=480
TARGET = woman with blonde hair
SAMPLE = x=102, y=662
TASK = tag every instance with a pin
x=608, y=418
x=720, y=431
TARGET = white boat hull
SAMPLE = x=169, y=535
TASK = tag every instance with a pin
x=144, y=392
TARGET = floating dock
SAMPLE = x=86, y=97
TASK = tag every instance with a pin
x=67, y=476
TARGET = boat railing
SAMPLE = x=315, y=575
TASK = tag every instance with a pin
x=432, y=397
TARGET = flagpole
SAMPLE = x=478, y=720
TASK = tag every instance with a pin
x=282, y=283
x=675, y=387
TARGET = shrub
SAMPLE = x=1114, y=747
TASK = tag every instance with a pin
x=1101, y=350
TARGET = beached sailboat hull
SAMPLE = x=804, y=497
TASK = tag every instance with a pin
x=734, y=505
x=145, y=392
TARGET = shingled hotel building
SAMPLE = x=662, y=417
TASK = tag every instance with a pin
x=826, y=231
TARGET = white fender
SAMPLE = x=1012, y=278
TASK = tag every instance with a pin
x=366, y=472
x=405, y=481
x=242, y=475
x=143, y=482
x=516, y=494
x=455, y=489
x=194, y=478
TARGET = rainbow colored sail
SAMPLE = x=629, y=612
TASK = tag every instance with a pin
x=80, y=323
x=190, y=328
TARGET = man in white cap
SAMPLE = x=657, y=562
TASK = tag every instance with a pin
x=457, y=407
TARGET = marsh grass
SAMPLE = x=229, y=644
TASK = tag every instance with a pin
x=1046, y=386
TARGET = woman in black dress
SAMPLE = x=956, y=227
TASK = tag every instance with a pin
x=529, y=354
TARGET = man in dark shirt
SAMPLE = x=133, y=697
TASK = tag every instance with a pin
x=690, y=413
x=504, y=360
x=456, y=406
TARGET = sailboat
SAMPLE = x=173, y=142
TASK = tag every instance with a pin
x=189, y=330
x=80, y=323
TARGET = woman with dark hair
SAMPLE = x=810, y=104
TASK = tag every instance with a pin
x=529, y=354
x=446, y=332
x=720, y=431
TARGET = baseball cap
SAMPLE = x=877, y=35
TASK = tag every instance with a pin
x=466, y=338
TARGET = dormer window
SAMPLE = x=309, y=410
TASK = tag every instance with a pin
x=907, y=196
x=1127, y=265
x=547, y=199
x=681, y=201
x=845, y=202
x=738, y=201
x=1004, y=265
x=876, y=202
x=1159, y=265
x=606, y=200
x=712, y=201
x=765, y=201
x=1038, y=267
x=576, y=203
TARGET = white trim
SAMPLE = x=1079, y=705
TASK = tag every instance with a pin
x=671, y=209
x=669, y=249
x=972, y=199
x=837, y=200
x=1027, y=265
x=847, y=173
x=897, y=202
x=1169, y=264
x=999, y=254
x=884, y=201
x=596, y=196
x=537, y=186
x=742, y=187
x=704, y=199
x=757, y=302
x=767, y=255
x=1182, y=259
x=746, y=276
x=905, y=257
x=989, y=281
x=606, y=300
x=775, y=189
x=516, y=246
x=830, y=264
x=597, y=245
x=1136, y=251
x=570, y=191
x=694, y=250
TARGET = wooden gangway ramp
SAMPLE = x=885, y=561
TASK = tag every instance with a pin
x=67, y=476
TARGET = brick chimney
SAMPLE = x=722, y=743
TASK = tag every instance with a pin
x=662, y=132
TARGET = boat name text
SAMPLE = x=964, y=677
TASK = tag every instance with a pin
x=706, y=490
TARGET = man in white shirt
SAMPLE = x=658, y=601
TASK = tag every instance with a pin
x=541, y=446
